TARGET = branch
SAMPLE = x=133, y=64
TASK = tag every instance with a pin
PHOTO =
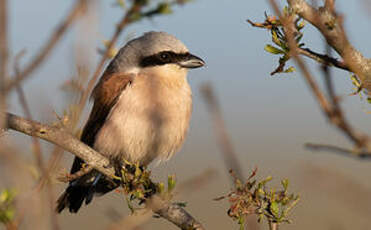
x=323, y=59
x=273, y=225
x=3, y=56
x=63, y=139
x=339, y=150
x=273, y=24
x=330, y=24
x=36, y=146
x=70, y=177
x=171, y=212
x=126, y=19
x=48, y=47
x=331, y=109
x=229, y=155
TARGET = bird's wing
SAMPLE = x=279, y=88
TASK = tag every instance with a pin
x=105, y=95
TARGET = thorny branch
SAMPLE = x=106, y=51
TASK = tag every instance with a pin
x=331, y=108
x=172, y=212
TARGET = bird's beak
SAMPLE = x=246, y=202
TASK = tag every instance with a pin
x=191, y=62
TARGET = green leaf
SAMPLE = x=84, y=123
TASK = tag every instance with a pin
x=161, y=187
x=130, y=205
x=7, y=209
x=285, y=183
x=300, y=25
x=121, y=3
x=286, y=10
x=299, y=37
x=164, y=8
x=182, y=204
x=170, y=183
x=275, y=38
x=274, y=208
x=135, y=17
x=241, y=222
x=355, y=81
x=273, y=50
x=289, y=70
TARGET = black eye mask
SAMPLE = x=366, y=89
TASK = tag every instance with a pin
x=164, y=57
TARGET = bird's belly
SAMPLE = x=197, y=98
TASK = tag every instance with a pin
x=140, y=130
x=144, y=139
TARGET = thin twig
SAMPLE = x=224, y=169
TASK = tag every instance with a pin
x=339, y=150
x=273, y=225
x=70, y=177
x=26, y=109
x=36, y=144
x=3, y=56
x=45, y=51
x=322, y=58
x=229, y=155
x=51, y=165
x=126, y=19
x=330, y=24
x=332, y=111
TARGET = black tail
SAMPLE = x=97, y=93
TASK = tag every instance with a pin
x=72, y=198
x=81, y=190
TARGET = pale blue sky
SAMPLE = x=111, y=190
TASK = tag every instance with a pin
x=257, y=108
x=269, y=118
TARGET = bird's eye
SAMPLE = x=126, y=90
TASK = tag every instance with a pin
x=164, y=56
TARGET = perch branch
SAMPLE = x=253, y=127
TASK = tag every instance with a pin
x=171, y=212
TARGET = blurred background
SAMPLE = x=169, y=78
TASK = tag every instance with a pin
x=269, y=119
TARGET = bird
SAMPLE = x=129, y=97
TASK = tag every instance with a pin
x=141, y=111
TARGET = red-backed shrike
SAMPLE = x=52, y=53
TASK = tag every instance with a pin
x=142, y=107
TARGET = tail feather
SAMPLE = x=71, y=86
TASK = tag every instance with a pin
x=83, y=189
x=72, y=198
x=92, y=189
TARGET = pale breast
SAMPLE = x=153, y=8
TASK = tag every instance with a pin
x=150, y=120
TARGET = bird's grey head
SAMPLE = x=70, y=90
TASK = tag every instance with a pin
x=154, y=49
